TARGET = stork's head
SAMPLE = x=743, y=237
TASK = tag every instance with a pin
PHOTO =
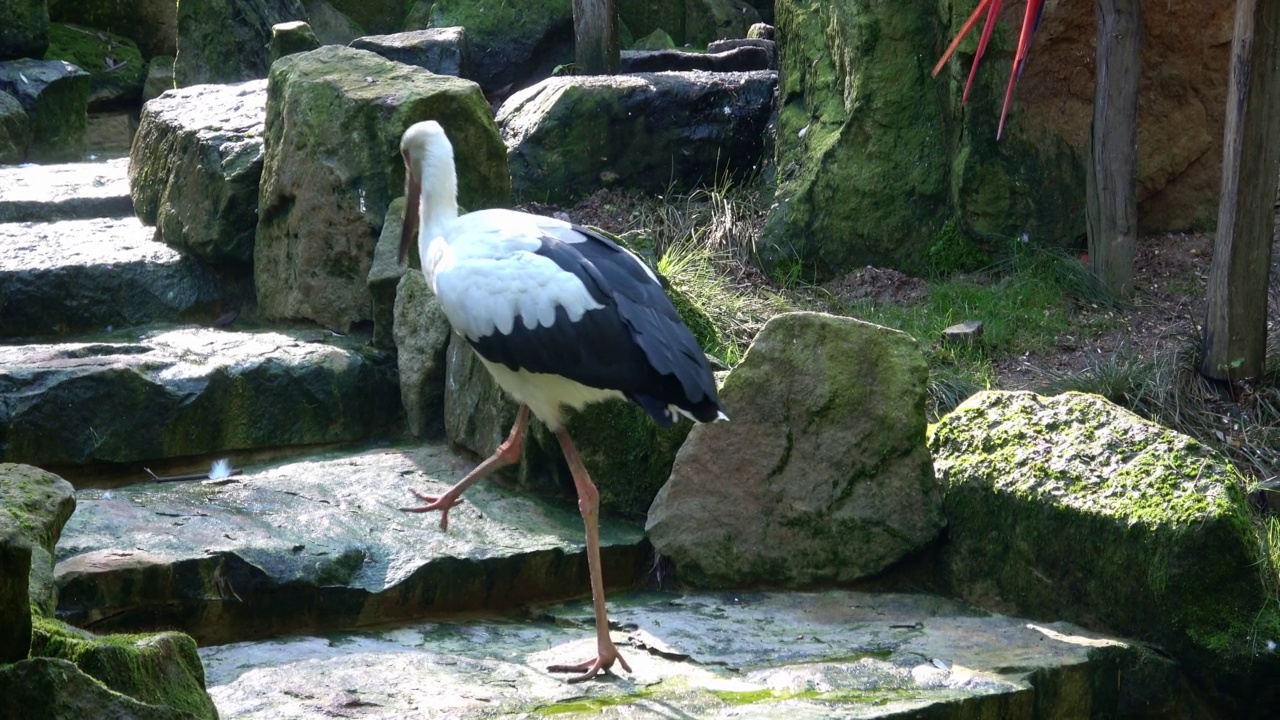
x=428, y=163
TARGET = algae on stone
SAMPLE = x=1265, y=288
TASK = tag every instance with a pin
x=114, y=63
x=1072, y=508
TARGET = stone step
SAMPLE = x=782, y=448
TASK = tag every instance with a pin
x=98, y=274
x=789, y=656
x=138, y=395
x=36, y=193
x=320, y=544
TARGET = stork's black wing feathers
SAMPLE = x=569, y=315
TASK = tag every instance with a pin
x=636, y=343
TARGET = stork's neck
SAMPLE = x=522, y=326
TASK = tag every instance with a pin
x=439, y=203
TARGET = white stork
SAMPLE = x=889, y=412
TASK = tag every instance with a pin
x=562, y=317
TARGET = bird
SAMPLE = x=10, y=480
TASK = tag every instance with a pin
x=562, y=317
x=1030, y=23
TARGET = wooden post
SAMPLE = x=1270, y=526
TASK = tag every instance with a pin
x=595, y=34
x=1235, y=327
x=1111, y=203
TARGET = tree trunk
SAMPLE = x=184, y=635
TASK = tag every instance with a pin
x=1111, y=205
x=1235, y=326
x=595, y=33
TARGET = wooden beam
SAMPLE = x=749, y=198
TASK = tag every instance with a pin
x=1235, y=328
x=595, y=34
x=1111, y=203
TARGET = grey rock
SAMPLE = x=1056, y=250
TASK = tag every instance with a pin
x=227, y=41
x=195, y=169
x=15, y=130
x=325, y=192
x=24, y=29
x=152, y=24
x=55, y=96
x=443, y=51
x=385, y=273
x=15, y=591
x=811, y=656
x=567, y=136
x=110, y=134
x=165, y=393
x=78, y=275
x=821, y=476
x=733, y=59
x=40, y=503
x=422, y=335
x=72, y=191
x=160, y=671
x=42, y=687
x=1071, y=507
x=769, y=46
x=320, y=544
x=159, y=77
x=477, y=414
x=331, y=26
x=968, y=332
x=291, y=37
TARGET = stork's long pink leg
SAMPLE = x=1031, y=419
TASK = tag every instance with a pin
x=589, y=506
x=506, y=454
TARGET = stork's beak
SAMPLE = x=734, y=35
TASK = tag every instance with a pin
x=413, y=200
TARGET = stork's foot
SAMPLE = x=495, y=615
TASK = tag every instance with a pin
x=602, y=662
x=435, y=502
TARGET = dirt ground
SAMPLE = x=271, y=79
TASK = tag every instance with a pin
x=1170, y=275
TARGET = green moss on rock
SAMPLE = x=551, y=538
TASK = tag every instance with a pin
x=116, y=69
x=1073, y=508
x=162, y=670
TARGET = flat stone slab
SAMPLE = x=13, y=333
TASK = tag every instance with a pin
x=320, y=544
x=140, y=395
x=789, y=656
x=30, y=193
x=78, y=275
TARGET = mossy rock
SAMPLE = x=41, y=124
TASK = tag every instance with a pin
x=15, y=130
x=116, y=69
x=161, y=670
x=862, y=155
x=510, y=40
x=1072, y=508
x=37, y=504
x=41, y=687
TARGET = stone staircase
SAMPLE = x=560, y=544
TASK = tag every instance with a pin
x=309, y=591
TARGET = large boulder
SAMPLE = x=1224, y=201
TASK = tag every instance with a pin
x=567, y=136
x=24, y=29
x=152, y=24
x=443, y=51
x=331, y=26
x=15, y=590
x=511, y=42
x=227, y=41
x=115, y=66
x=822, y=474
x=15, y=130
x=167, y=393
x=161, y=670
x=55, y=96
x=39, y=503
x=862, y=136
x=327, y=182
x=195, y=167
x=709, y=20
x=96, y=275
x=42, y=687
x=1071, y=508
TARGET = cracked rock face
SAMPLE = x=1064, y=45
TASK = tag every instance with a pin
x=822, y=474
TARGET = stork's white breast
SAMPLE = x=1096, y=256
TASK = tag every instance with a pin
x=486, y=271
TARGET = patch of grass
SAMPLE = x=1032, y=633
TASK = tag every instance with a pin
x=955, y=251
